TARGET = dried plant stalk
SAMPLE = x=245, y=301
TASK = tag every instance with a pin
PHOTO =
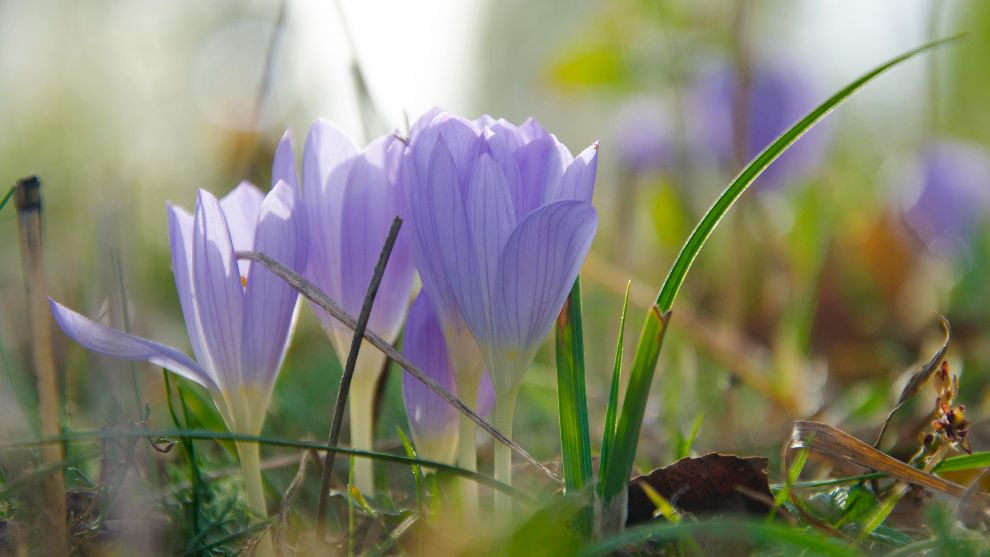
x=27, y=199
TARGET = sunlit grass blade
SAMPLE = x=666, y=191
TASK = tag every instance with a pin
x=684, y=443
x=7, y=197
x=271, y=441
x=608, y=435
x=417, y=470
x=572, y=398
x=623, y=452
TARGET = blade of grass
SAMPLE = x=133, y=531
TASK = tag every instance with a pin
x=684, y=444
x=345, y=380
x=572, y=397
x=800, y=540
x=608, y=435
x=7, y=196
x=97, y=435
x=417, y=471
x=648, y=350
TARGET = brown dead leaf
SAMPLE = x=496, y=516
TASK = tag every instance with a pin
x=705, y=485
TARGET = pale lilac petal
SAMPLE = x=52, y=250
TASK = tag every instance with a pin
x=323, y=217
x=284, y=164
x=486, y=395
x=578, y=181
x=218, y=289
x=430, y=417
x=180, y=234
x=537, y=269
x=424, y=121
x=117, y=344
x=441, y=240
x=269, y=302
x=241, y=207
x=326, y=147
x=540, y=169
x=461, y=139
x=491, y=218
x=369, y=206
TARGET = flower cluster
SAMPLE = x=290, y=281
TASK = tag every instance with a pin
x=498, y=222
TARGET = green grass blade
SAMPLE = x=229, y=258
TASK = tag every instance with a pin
x=572, y=398
x=623, y=451
x=963, y=462
x=691, y=248
x=7, y=196
x=271, y=441
x=417, y=470
x=648, y=349
x=608, y=435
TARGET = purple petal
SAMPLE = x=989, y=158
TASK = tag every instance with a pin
x=424, y=121
x=440, y=233
x=284, y=164
x=491, y=218
x=578, y=181
x=540, y=169
x=430, y=417
x=537, y=269
x=369, y=205
x=117, y=344
x=180, y=233
x=269, y=302
x=324, y=216
x=241, y=207
x=326, y=147
x=217, y=284
x=486, y=395
x=461, y=140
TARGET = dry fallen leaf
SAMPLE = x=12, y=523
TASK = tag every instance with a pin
x=706, y=485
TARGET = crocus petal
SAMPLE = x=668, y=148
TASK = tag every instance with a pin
x=180, y=234
x=433, y=421
x=540, y=169
x=486, y=395
x=324, y=220
x=284, y=164
x=461, y=141
x=326, y=147
x=424, y=121
x=218, y=289
x=269, y=302
x=441, y=238
x=491, y=217
x=369, y=205
x=578, y=181
x=117, y=344
x=537, y=269
x=240, y=208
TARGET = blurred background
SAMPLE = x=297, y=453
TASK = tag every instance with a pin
x=813, y=298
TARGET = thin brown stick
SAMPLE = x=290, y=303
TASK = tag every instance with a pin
x=27, y=199
x=345, y=381
x=315, y=295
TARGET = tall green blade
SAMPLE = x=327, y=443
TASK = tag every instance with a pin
x=620, y=458
x=608, y=435
x=575, y=441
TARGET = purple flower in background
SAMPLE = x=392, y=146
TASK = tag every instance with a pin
x=501, y=221
x=350, y=197
x=432, y=420
x=644, y=136
x=953, y=193
x=776, y=97
x=238, y=314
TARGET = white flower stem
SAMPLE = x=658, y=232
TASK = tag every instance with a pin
x=505, y=409
x=467, y=451
x=361, y=408
x=250, y=457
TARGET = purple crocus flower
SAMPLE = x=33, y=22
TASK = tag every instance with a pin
x=644, y=136
x=350, y=197
x=953, y=193
x=777, y=97
x=433, y=422
x=501, y=221
x=239, y=315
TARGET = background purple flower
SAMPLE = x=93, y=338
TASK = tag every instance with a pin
x=644, y=136
x=953, y=194
x=777, y=97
